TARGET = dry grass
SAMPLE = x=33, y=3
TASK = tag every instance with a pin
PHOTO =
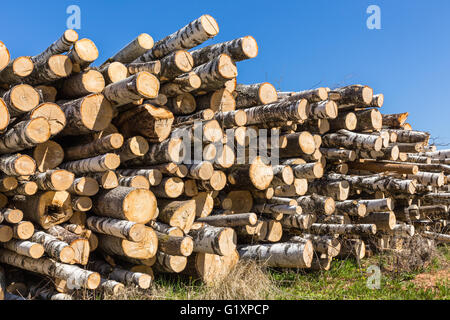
x=247, y=281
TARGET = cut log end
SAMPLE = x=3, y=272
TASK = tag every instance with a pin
x=147, y=85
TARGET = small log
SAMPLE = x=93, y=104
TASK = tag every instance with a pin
x=84, y=186
x=166, y=229
x=260, y=175
x=357, y=229
x=11, y=215
x=175, y=64
x=83, y=83
x=177, y=213
x=21, y=99
x=133, y=50
x=144, y=249
x=114, y=72
x=130, y=278
x=55, y=248
x=46, y=208
x=133, y=147
x=138, y=182
x=233, y=220
x=119, y=228
x=146, y=120
x=380, y=167
x=170, y=187
x=215, y=73
x=377, y=182
x=170, y=150
x=153, y=67
x=353, y=248
x=86, y=279
x=347, y=121
x=26, y=248
x=215, y=240
x=238, y=49
x=16, y=70
x=17, y=165
x=175, y=246
x=108, y=161
x=135, y=87
x=184, y=83
x=4, y=60
x=385, y=221
x=96, y=147
x=191, y=35
x=352, y=95
x=166, y=263
x=350, y=140
x=220, y=100
x=56, y=67
x=48, y=155
x=79, y=244
x=283, y=255
x=297, y=221
x=211, y=268
x=317, y=203
x=82, y=54
x=82, y=204
x=351, y=207
x=395, y=120
x=8, y=183
x=87, y=114
x=24, y=135
x=107, y=179
x=6, y=233
x=440, y=237
x=254, y=95
x=56, y=180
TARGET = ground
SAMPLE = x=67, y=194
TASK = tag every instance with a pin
x=347, y=279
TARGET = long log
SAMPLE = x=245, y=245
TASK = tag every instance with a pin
x=283, y=255
x=24, y=135
x=86, y=279
x=191, y=35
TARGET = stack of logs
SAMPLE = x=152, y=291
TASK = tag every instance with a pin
x=147, y=164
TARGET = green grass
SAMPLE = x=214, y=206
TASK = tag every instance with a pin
x=347, y=279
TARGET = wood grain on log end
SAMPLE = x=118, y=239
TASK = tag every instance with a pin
x=54, y=115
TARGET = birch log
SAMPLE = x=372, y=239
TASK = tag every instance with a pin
x=136, y=205
x=135, y=87
x=191, y=35
x=86, y=279
x=283, y=255
x=24, y=135
x=238, y=49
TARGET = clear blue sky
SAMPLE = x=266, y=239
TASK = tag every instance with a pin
x=303, y=44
